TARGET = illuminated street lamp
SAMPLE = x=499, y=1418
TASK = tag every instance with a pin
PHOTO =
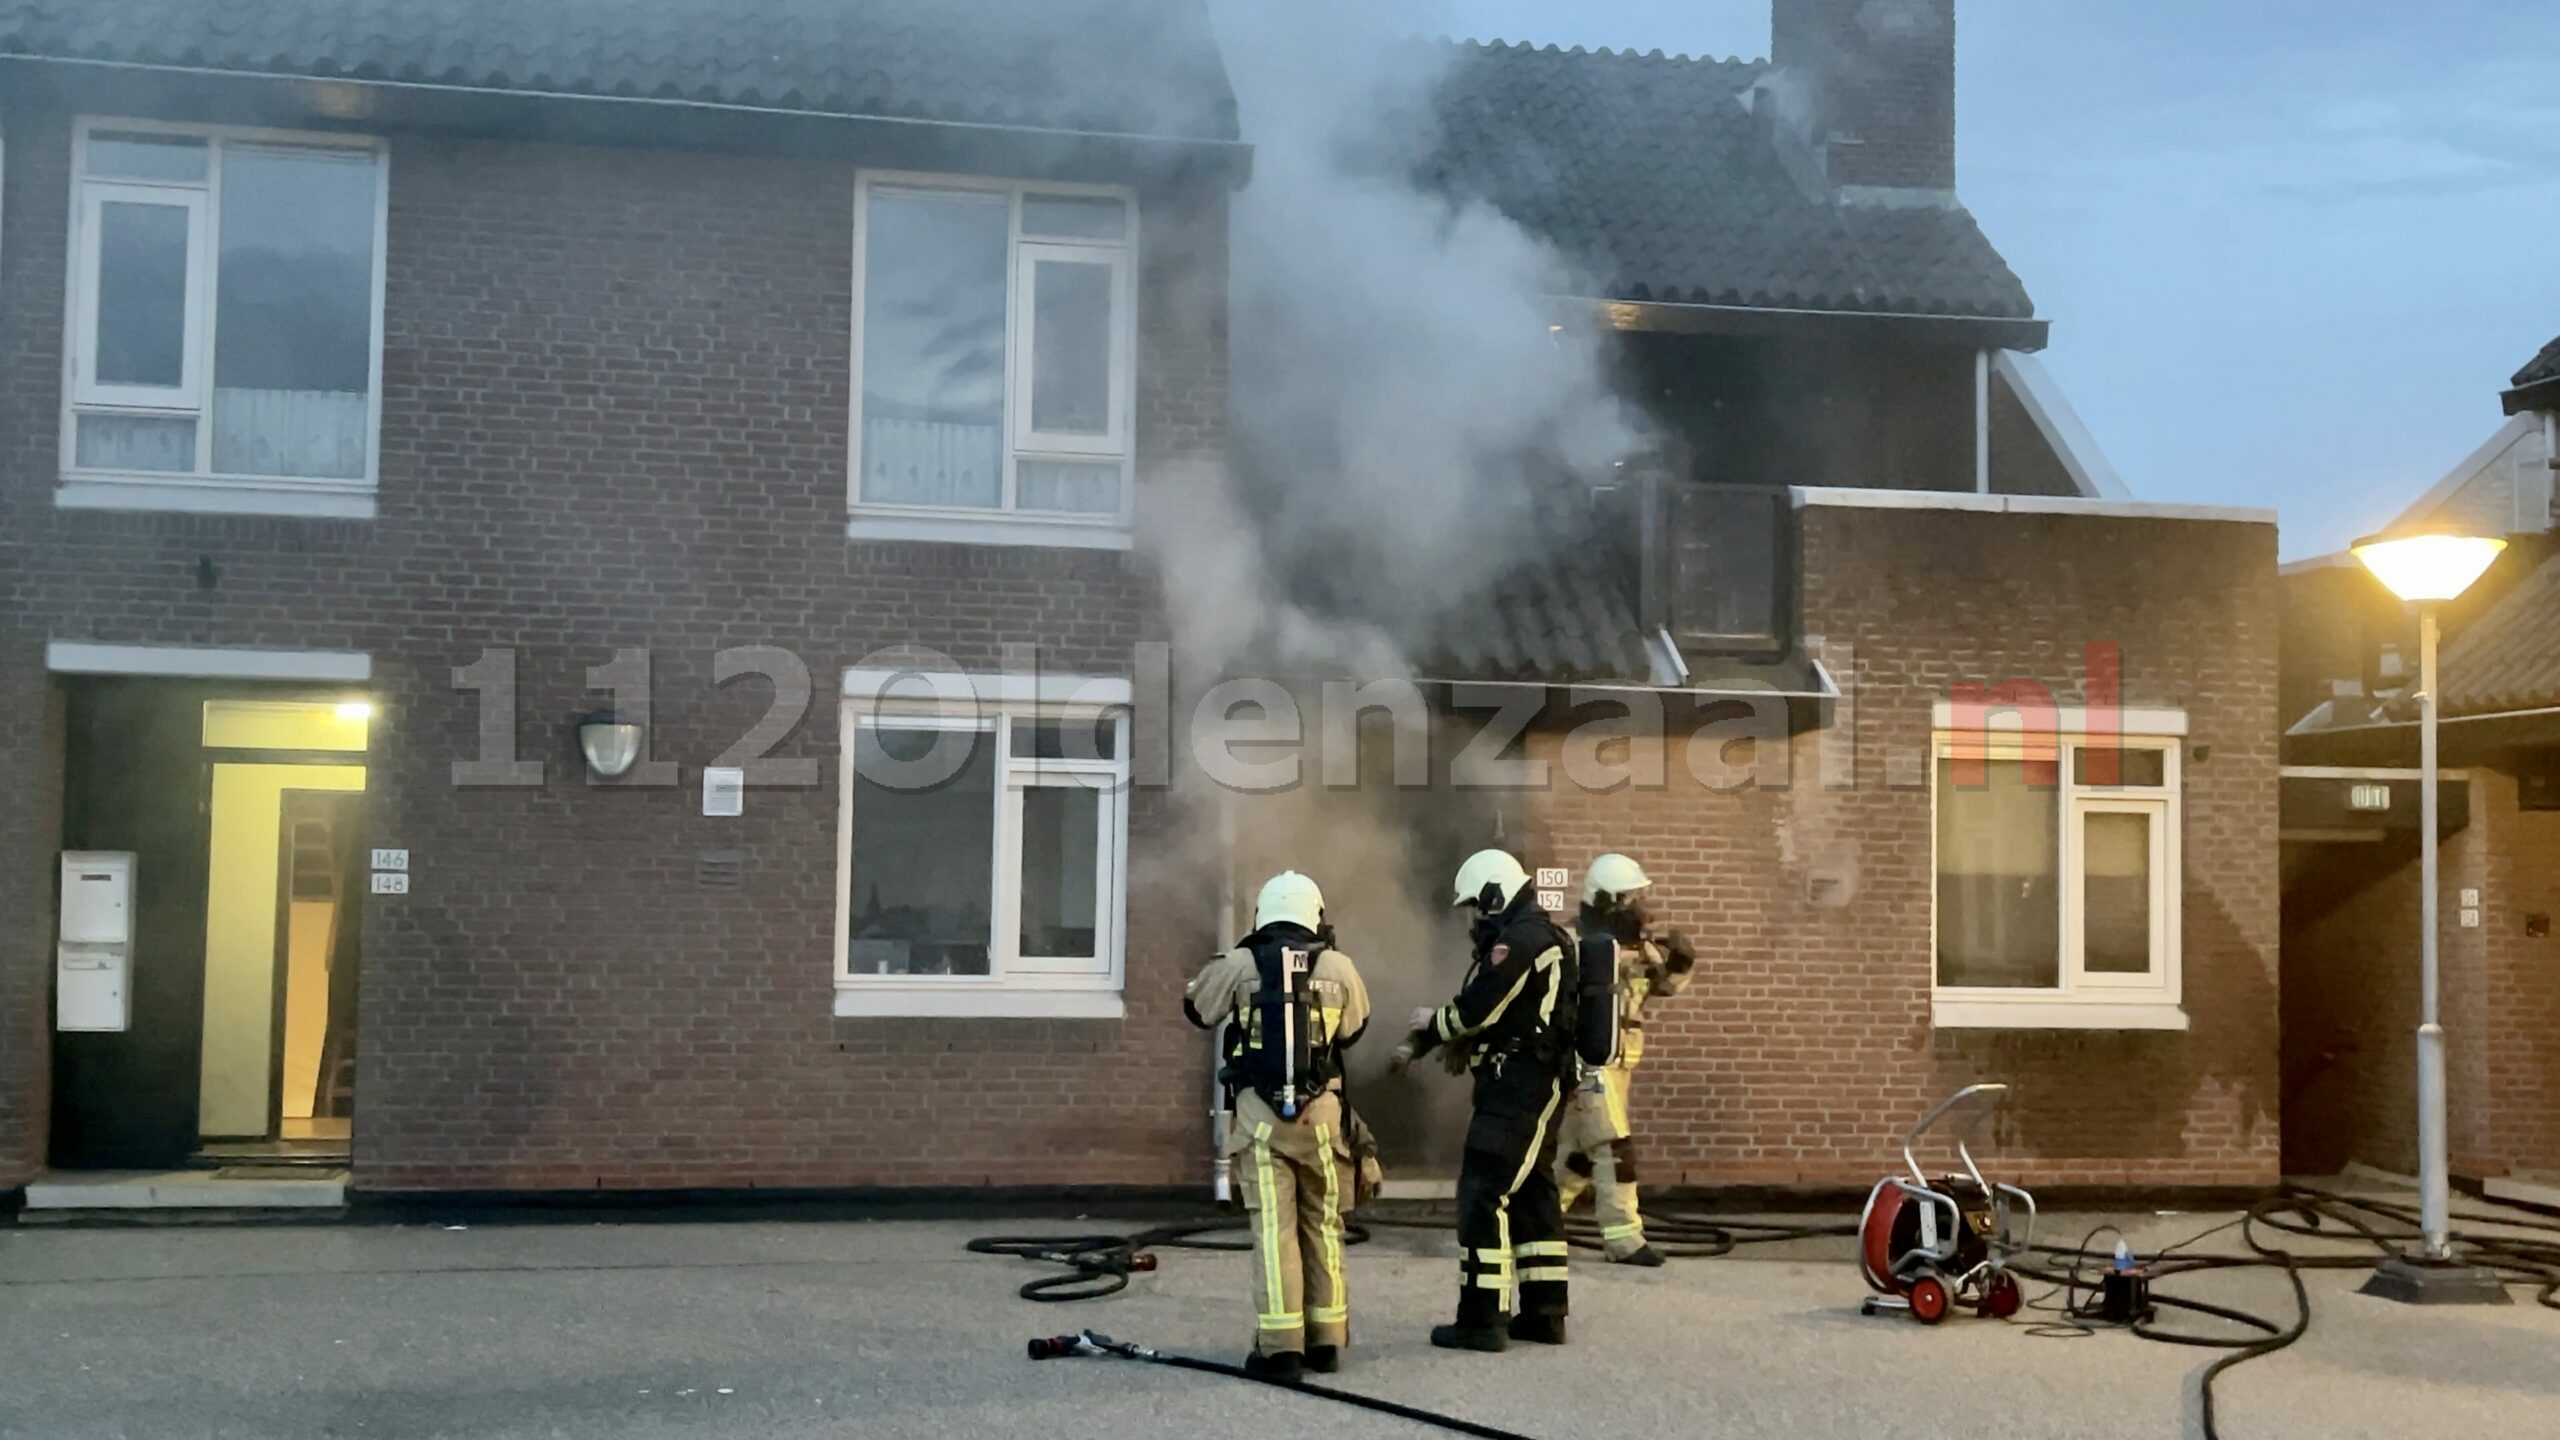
x=2427, y=568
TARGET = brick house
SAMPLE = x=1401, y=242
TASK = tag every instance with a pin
x=2351, y=908
x=423, y=402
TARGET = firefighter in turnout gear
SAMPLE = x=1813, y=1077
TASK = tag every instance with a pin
x=1513, y=1022
x=1297, y=1004
x=1598, y=1147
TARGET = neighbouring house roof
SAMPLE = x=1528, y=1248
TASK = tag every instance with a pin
x=2537, y=385
x=1125, y=67
x=1651, y=174
x=2509, y=658
x=1559, y=620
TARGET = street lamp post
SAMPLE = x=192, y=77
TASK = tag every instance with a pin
x=2427, y=569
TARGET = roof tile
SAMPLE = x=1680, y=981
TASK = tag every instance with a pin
x=1651, y=177
x=2509, y=658
x=1143, y=67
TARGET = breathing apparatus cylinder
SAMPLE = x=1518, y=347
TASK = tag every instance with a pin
x=1595, y=1030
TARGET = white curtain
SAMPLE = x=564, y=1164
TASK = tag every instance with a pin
x=317, y=434
x=155, y=443
x=919, y=462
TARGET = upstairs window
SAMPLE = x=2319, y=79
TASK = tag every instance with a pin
x=225, y=326
x=995, y=335
x=1719, y=567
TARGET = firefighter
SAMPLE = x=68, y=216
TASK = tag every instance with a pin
x=1597, y=1146
x=1298, y=1004
x=1512, y=1024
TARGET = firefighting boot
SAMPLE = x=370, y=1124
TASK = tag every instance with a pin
x=1324, y=1359
x=1479, y=1325
x=1542, y=1312
x=1286, y=1366
x=1646, y=1257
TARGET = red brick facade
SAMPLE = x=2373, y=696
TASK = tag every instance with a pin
x=1806, y=1045
x=2352, y=974
x=616, y=391
x=616, y=385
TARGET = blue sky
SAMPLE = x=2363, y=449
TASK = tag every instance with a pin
x=2291, y=249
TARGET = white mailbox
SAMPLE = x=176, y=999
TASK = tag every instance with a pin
x=93, y=963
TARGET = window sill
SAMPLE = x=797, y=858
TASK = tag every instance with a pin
x=97, y=492
x=2036, y=1013
x=971, y=530
x=975, y=1002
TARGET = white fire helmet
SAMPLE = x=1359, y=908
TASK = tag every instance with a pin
x=1292, y=897
x=1496, y=868
x=1613, y=875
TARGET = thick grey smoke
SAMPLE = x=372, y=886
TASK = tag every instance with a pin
x=1398, y=395
x=1397, y=386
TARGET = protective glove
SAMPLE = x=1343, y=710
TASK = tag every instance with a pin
x=1400, y=1059
x=1683, y=955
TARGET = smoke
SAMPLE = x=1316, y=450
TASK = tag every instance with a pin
x=1399, y=396
x=1397, y=386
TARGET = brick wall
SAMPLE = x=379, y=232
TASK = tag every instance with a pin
x=2351, y=969
x=1884, y=73
x=1806, y=1046
x=615, y=406
x=2521, y=1026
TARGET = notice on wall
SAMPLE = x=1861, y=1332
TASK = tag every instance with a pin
x=1552, y=877
x=390, y=882
x=390, y=859
x=1551, y=901
x=724, y=790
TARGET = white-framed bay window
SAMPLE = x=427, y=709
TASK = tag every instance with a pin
x=223, y=337
x=983, y=839
x=994, y=344
x=2057, y=871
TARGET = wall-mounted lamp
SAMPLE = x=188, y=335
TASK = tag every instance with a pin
x=355, y=711
x=610, y=743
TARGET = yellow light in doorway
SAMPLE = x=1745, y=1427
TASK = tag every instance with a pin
x=352, y=710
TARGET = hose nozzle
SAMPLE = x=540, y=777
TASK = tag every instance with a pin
x=1055, y=1346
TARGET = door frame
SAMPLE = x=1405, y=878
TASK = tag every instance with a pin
x=213, y=759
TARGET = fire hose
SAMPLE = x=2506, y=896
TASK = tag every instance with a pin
x=1099, y=1265
x=1089, y=1343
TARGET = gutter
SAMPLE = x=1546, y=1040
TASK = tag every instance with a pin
x=1237, y=152
x=2540, y=395
x=1994, y=332
x=2404, y=727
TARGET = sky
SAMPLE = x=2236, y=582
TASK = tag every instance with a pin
x=2290, y=249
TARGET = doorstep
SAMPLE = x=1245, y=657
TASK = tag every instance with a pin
x=2539, y=1190
x=140, y=1193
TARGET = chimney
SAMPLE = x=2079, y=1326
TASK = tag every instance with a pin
x=1877, y=83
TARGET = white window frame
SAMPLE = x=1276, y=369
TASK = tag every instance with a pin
x=203, y=488
x=1003, y=523
x=1016, y=984
x=2081, y=999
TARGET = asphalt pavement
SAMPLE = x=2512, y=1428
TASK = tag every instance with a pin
x=786, y=1330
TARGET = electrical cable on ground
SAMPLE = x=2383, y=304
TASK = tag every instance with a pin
x=2300, y=1211
x=1099, y=1265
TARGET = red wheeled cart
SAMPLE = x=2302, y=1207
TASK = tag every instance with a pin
x=1928, y=1247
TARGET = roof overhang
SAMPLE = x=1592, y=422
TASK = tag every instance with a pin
x=177, y=92
x=2540, y=395
x=2460, y=740
x=1976, y=332
x=1808, y=706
